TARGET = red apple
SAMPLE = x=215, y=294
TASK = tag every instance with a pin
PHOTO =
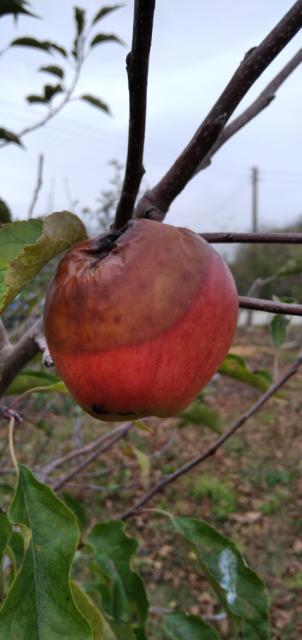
x=137, y=321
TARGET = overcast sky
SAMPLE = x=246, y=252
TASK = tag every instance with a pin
x=196, y=47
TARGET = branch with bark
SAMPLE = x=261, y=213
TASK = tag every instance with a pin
x=18, y=355
x=156, y=202
x=137, y=69
x=264, y=100
x=164, y=482
x=270, y=306
x=254, y=238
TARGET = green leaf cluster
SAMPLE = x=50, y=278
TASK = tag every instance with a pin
x=40, y=536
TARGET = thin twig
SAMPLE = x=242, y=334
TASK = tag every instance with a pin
x=156, y=202
x=218, y=443
x=137, y=70
x=87, y=448
x=38, y=186
x=67, y=95
x=270, y=306
x=60, y=483
x=4, y=339
x=258, y=238
x=103, y=489
x=264, y=100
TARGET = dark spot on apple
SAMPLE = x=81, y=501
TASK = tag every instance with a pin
x=117, y=319
x=101, y=410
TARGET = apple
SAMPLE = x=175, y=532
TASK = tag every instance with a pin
x=138, y=320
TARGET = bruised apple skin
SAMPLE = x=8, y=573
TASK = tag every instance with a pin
x=137, y=321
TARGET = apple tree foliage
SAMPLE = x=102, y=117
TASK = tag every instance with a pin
x=43, y=542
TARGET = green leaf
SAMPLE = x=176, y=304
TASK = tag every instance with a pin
x=144, y=463
x=9, y=136
x=79, y=15
x=54, y=70
x=199, y=413
x=179, y=626
x=291, y=267
x=278, y=328
x=76, y=506
x=124, y=601
x=33, y=98
x=16, y=544
x=240, y=591
x=44, y=45
x=50, y=90
x=39, y=605
x=5, y=532
x=58, y=48
x=235, y=367
x=27, y=245
x=89, y=611
x=28, y=379
x=105, y=11
x=96, y=102
x=100, y=38
x=15, y=7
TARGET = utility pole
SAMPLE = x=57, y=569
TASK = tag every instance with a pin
x=254, y=181
x=254, y=289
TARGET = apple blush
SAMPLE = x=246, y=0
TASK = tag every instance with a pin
x=138, y=320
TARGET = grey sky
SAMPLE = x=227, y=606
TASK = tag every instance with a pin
x=197, y=45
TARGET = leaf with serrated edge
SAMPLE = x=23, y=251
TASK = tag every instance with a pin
x=89, y=611
x=39, y=604
x=179, y=626
x=239, y=589
x=124, y=601
x=26, y=246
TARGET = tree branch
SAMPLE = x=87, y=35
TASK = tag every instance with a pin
x=137, y=68
x=270, y=306
x=259, y=238
x=60, y=483
x=264, y=99
x=71, y=455
x=4, y=339
x=156, y=202
x=218, y=443
x=19, y=355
